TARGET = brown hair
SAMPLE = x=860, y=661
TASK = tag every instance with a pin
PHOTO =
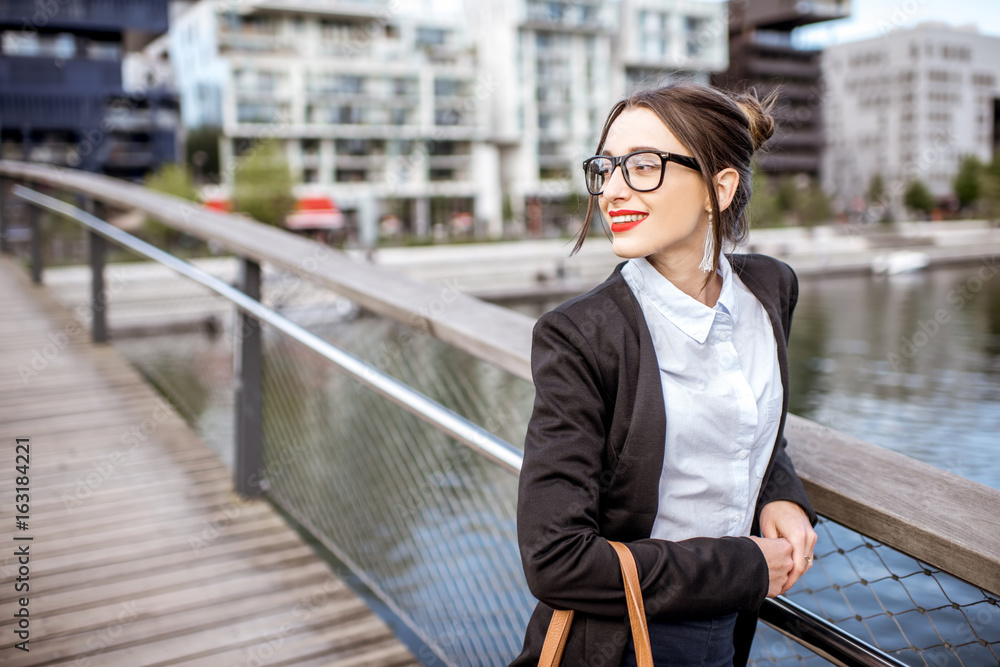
x=720, y=129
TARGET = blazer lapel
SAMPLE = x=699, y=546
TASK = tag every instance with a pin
x=637, y=474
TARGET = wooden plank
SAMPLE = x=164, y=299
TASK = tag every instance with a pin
x=936, y=516
x=268, y=527
x=183, y=602
x=162, y=532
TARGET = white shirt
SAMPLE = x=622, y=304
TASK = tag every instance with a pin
x=722, y=396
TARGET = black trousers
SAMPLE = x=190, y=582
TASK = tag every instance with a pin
x=695, y=643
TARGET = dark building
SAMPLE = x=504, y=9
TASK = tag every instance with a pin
x=61, y=95
x=761, y=55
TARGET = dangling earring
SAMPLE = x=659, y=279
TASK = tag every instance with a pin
x=706, y=259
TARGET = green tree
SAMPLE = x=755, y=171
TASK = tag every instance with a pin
x=172, y=179
x=763, y=209
x=790, y=197
x=815, y=206
x=876, y=190
x=967, y=183
x=918, y=198
x=262, y=184
x=990, y=188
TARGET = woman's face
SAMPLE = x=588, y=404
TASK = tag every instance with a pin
x=676, y=213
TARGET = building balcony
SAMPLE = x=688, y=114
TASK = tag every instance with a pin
x=75, y=76
x=51, y=111
x=449, y=161
x=773, y=67
x=348, y=9
x=254, y=112
x=580, y=17
x=786, y=14
x=804, y=139
x=144, y=15
x=129, y=154
x=359, y=161
x=346, y=49
x=781, y=162
x=252, y=43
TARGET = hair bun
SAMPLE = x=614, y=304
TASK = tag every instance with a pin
x=760, y=122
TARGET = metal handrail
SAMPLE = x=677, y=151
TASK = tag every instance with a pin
x=427, y=409
x=813, y=632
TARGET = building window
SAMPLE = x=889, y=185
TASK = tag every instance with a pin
x=447, y=117
x=310, y=176
x=431, y=36
x=350, y=175
x=404, y=86
x=353, y=146
x=447, y=87
x=398, y=116
x=347, y=115
x=442, y=175
x=695, y=28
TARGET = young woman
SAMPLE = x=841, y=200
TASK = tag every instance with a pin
x=661, y=398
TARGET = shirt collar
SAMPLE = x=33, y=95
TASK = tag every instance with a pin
x=687, y=313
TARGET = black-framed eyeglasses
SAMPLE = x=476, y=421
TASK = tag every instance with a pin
x=643, y=169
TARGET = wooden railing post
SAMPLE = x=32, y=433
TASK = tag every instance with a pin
x=98, y=255
x=35, y=224
x=247, y=337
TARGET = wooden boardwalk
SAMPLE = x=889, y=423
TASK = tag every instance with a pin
x=141, y=555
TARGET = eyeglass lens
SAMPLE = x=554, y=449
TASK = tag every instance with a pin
x=642, y=171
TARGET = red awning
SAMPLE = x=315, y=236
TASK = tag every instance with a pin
x=315, y=213
x=218, y=205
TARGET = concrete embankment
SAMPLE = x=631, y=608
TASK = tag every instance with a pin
x=544, y=268
x=146, y=298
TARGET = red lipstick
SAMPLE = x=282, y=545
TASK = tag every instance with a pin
x=625, y=225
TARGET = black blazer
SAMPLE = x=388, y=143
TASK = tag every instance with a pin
x=592, y=460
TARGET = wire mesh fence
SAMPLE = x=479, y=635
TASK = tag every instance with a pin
x=430, y=526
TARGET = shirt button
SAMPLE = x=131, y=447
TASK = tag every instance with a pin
x=736, y=517
x=743, y=453
x=724, y=335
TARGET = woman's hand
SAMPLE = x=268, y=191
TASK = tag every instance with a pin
x=778, y=553
x=783, y=518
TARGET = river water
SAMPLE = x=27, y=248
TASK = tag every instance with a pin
x=908, y=362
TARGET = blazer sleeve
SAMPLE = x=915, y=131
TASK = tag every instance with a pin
x=568, y=564
x=784, y=483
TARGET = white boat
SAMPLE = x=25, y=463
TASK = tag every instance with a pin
x=900, y=261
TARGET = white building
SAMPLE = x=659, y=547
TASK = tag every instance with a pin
x=560, y=66
x=908, y=105
x=378, y=109
x=391, y=107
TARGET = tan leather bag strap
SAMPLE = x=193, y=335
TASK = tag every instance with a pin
x=636, y=609
x=555, y=638
x=558, y=632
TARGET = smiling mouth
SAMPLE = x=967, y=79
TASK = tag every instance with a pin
x=626, y=220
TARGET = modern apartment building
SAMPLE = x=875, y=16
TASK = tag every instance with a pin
x=379, y=110
x=909, y=105
x=763, y=56
x=393, y=109
x=558, y=68
x=62, y=98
